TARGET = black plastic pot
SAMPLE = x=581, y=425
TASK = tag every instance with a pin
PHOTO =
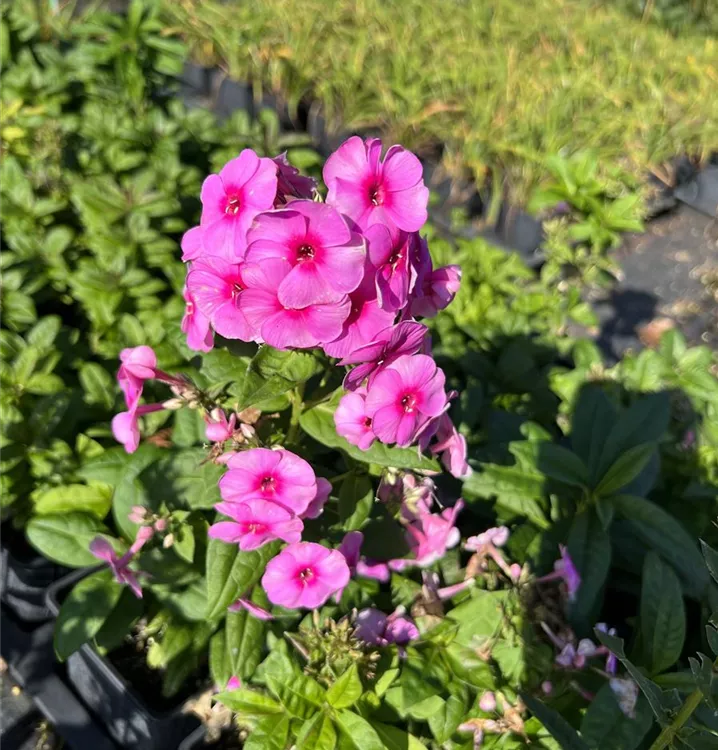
x=25, y=577
x=198, y=741
x=701, y=193
x=130, y=722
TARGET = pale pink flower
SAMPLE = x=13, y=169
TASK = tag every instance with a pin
x=496, y=536
x=283, y=327
x=435, y=291
x=392, y=256
x=254, y=609
x=326, y=258
x=352, y=421
x=451, y=444
x=218, y=428
x=290, y=183
x=217, y=288
x=255, y=523
x=196, y=325
x=138, y=514
x=404, y=397
x=316, y=506
x=137, y=365
x=305, y=575
x=230, y=201
x=377, y=629
x=126, y=428
x=276, y=475
x=430, y=536
x=103, y=550
x=488, y=702
x=372, y=191
x=387, y=346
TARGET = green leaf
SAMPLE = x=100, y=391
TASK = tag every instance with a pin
x=347, y=689
x=395, y=738
x=469, y=667
x=107, y=467
x=245, y=641
x=43, y=334
x=300, y=695
x=444, y=723
x=42, y=384
x=317, y=734
x=74, y=497
x=663, y=617
x=357, y=732
x=270, y=733
x=666, y=536
x=65, y=538
x=356, y=498
x=606, y=727
x=98, y=385
x=567, y=737
x=249, y=704
x=319, y=423
x=711, y=559
x=625, y=469
x=594, y=416
x=114, y=630
x=590, y=548
x=479, y=617
x=84, y=612
x=561, y=464
x=220, y=668
x=231, y=572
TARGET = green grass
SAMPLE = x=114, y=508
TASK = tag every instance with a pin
x=502, y=84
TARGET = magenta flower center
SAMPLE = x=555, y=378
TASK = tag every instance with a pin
x=305, y=252
x=232, y=207
x=408, y=402
x=306, y=575
x=256, y=528
x=396, y=257
x=268, y=484
x=189, y=308
x=367, y=422
x=376, y=194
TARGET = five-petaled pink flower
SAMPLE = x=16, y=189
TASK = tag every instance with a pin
x=388, y=345
x=435, y=291
x=103, y=550
x=219, y=428
x=372, y=191
x=352, y=421
x=393, y=257
x=256, y=522
x=404, y=397
x=126, y=428
x=326, y=257
x=196, y=325
x=451, y=444
x=230, y=201
x=276, y=475
x=138, y=364
x=305, y=575
x=429, y=536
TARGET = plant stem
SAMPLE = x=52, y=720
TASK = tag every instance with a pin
x=297, y=408
x=691, y=703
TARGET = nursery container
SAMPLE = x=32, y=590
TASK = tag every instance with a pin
x=25, y=576
x=521, y=232
x=129, y=720
x=198, y=741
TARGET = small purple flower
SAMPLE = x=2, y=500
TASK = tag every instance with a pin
x=377, y=629
x=103, y=550
x=567, y=570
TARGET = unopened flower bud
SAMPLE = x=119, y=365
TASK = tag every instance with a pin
x=168, y=541
x=547, y=687
x=160, y=524
x=173, y=404
x=137, y=514
x=488, y=702
x=247, y=431
x=515, y=572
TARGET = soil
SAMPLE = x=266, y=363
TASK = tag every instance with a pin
x=130, y=660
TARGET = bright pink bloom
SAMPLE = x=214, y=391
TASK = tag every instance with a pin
x=218, y=427
x=305, y=575
x=316, y=507
x=138, y=364
x=255, y=523
x=230, y=201
x=430, y=536
x=451, y=444
x=351, y=549
x=283, y=327
x=326, y=257
x=103, y=550
x=234, y=683
x=126, y=428
x=352, y=421
x=254, y=609
x=393, y=258
x=377, y=571
x=404, y=397
x=276, y=475
x=435, y=291
x=387, y=346
x=193, y=244
x=196, y=325
x=217, y=288
x=290, y=183
x=377, y=629
x=371, y=191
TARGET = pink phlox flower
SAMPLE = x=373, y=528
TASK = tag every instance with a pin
x=137, y=514
x=430, y=536
x=285, y=327
x=254, y=609
x=626, y=692
x=256, y=522
x=451, y=444
x=431, y=589
x=138, y=364
x=435, y=291
x=352, y=421
x=364, y=568
x=326, y=258
x=316, y=506
x=404, y=396
x=373, y=569
x=388, y=345
x=244, y=186
x=567, y=570
x=219, y=428
x=372, y=191
x=193, y=245
x=290, y=183
x=392, y=256
x=611, y=660
x=103, y=550
x=126, y=428
x=276, y=475
x=497, y=536
x=375, y=628
x=305, y=575
x=196, y=325
x=234, y=683
x=218, y=288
